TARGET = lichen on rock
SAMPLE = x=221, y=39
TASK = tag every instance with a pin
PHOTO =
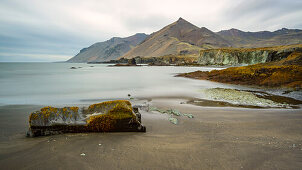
x=107, y=116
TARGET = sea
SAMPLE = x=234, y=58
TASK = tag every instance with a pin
x=57, y=83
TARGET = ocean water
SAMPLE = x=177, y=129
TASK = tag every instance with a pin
x=56, y=83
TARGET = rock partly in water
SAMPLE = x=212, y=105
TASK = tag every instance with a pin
x=110, y=116
x=242, y=97
x=188, y=115
x=171, y=112
x=285, y=73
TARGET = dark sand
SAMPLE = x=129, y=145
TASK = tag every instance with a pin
x=217, y=138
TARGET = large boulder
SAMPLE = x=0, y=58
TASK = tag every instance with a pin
x=110, y=116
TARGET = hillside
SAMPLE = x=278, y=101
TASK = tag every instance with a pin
x=181, y=38
x=108, y=50
x=178, y=37
x=283, y=36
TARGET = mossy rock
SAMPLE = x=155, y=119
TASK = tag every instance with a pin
x=109, y=116
x=48, y=116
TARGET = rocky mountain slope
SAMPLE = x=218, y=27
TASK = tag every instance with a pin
x=284, y=36
x=108, y=50
x=180, y=37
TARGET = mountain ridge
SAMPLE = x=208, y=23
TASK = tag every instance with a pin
x=108, y=50
x=284, y=36
x=182, y=37
x=175, y=38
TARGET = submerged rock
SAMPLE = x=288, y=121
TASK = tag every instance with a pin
x=173, y=120
x=171, y=112
x=110, y=116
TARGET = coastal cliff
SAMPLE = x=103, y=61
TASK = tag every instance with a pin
x=285, y=73
x=245, y=56
x=221, y=57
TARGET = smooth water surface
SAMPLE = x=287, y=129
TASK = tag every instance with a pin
x=56, y=83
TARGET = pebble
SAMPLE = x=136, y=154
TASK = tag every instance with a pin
x=100, y=144
x=83, y=154
x=173, y=120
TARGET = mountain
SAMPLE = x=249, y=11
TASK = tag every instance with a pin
x=177, y=38
x=283, y=36
x=183, y=39
x=108, y=50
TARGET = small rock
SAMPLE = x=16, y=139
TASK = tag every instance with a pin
x=188, y=115
x=174, y=112
x=83, y=154
x=73, y=68
x=173, y=120
x=100, y=144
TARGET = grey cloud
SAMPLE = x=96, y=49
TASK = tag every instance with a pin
x=147, y=23
x=63, y=27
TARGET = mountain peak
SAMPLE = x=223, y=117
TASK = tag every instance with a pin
x=181, y=20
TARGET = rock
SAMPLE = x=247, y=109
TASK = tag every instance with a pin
x=242, y=56
x=73, y=68
x=188, y=115
x=173, y=120
x=132, y=61
x=174, y=112
x=110, y=116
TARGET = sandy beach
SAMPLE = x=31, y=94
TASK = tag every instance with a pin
x=216, y=138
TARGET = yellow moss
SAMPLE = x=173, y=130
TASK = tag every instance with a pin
x=111, y=112
x=104, y=107
x=48, y=113
x=103, y=122
x=74, y=109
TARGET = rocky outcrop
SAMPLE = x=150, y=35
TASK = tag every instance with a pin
x=284, y=73
x=110, y=116
x=244, y=56
x=174, y=60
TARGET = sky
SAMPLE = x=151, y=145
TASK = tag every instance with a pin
x=56, y=30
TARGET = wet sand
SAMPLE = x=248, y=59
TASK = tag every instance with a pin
x=216, y=138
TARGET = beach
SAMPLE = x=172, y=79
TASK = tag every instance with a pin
x=232, y=128
x=216, y=138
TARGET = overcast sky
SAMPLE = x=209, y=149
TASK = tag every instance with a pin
x=55, y=30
